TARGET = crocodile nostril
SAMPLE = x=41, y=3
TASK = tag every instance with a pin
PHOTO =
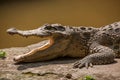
x=12, y=31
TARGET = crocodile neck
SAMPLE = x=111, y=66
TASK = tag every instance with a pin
x=79, y=40
x=83, y=32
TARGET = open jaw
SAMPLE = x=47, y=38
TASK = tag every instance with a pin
x=39, y=47
x=36, y=32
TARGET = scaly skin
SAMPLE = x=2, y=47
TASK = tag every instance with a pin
x=94, y=45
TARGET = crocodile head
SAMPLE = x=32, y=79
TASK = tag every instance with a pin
x=53, y=30
x=47, y=30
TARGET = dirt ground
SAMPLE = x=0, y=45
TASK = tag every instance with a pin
x=57, y=69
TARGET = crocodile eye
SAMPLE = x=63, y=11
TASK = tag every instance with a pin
x=50, y=28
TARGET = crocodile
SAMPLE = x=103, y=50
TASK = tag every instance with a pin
x=94, y=45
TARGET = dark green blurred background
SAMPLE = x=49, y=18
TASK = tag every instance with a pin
x=30, y=14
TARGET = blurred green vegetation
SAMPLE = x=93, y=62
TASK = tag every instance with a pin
x=2, y=54
x=30, y=14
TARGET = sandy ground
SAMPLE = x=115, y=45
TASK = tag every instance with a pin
x=58, y=69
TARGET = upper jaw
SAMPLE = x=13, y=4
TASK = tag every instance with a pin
x=44, y=34
x=35, y=32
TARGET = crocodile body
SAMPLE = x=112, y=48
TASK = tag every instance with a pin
x=94, y=45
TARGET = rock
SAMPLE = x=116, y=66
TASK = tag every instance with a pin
x=58, y=69
x=69, y=76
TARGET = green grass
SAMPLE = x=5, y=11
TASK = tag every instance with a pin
x=2, y=54
x=88, y=78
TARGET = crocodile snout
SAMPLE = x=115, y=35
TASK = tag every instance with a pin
x=12, y=31
x=17, y=59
